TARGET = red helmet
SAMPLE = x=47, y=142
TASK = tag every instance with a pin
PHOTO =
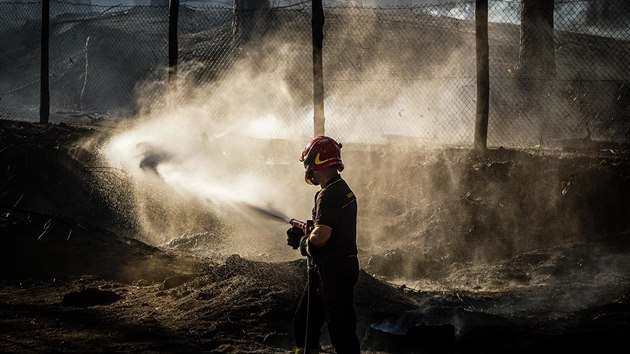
x=322, y=152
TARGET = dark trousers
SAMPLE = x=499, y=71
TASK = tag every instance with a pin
x=331, y=300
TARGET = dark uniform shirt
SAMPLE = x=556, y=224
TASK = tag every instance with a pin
x=336, y=207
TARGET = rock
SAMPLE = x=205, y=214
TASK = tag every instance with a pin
x=175, y=281
x=90, y=297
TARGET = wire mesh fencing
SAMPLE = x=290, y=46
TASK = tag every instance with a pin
x=392, y=74
x=100, y=56
x=20, y=33
x=582, y=97
x=399, y=74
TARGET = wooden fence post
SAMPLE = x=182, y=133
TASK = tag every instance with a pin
x=44, y=89
x=318, y=69
x=173, y=47
x=483, y=75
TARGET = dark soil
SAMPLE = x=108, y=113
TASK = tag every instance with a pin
x=73, y=278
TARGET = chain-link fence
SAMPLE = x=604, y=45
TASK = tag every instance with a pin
x=100, y=56
x=583, y=99
x=391, y=73
x=19, y=59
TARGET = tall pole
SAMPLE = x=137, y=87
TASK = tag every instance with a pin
x=318, y=69
x=483, y=75
x=173, y=15
x=44, y=89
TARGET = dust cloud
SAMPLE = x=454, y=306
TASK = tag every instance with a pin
x=191, y=158
x=200, y=155
x=437, y=218
x=386, y=81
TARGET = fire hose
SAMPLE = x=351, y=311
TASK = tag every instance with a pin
x=307, y=228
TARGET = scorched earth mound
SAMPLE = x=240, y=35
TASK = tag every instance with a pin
x=74, y=278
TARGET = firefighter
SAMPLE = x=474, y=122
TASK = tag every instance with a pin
x=333, y=251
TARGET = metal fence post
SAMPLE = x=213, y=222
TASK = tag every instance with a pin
x=173, y=15
x=318, y=70
x=483, y=74
x=44, y=89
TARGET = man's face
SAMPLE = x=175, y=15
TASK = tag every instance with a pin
x=310, y=176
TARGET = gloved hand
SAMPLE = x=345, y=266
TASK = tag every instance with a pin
x=307, y=249
x=294, y=235
x=304, y=246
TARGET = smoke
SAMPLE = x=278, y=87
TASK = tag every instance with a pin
x=202, y=158
x=386, y=80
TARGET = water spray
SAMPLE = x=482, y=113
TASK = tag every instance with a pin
x=268, y=213
x=153, y=156
x=305, y=226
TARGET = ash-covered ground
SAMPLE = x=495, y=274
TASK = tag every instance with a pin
x=507, y=252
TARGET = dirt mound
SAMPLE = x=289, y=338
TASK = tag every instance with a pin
x=90, y=297
x=460, y=207
x=48, y=170
x=56, y=214
x=57, y=251
x=57, y=229
x=239, y=305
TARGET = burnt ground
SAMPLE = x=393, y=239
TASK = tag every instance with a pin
x=73, y=278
